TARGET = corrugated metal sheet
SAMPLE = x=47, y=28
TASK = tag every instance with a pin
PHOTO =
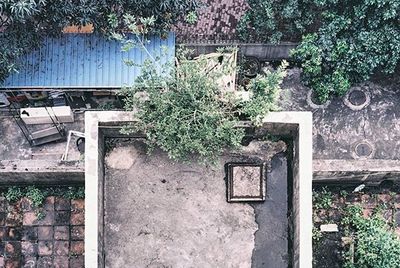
x=84, y=61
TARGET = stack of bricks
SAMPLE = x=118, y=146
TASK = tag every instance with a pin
x=55, y=239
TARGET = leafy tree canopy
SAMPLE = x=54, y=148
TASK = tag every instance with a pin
x=342, y=42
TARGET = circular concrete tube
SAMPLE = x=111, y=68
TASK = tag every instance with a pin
x=252, y=66
x=363, y=150
x=357, y=98
x=313, y=104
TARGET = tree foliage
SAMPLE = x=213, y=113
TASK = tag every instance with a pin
x=264, y=91
x=343, y=42
x=183, y=109
x=273, y=21
x=23, y=23
x=182, y=112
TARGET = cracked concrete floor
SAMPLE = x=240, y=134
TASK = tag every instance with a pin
x=14, y=146
x=337, y=129
x=161, y=213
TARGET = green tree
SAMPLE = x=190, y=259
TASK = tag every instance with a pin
x=183, y=110
x=343, y=42
x=273, y=21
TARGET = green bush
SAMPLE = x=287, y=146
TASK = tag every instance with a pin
x=37, y=195
x=73, y=193
x=273, y=21
x=183, y=110
x=376, y=246
x=322, y=199
x=342, y=43
x=185, y=116
x=265, y=89
x=13, y=194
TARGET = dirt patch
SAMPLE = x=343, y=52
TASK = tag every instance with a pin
x=121, y=158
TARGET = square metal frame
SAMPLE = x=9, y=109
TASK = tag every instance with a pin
x=263, y=183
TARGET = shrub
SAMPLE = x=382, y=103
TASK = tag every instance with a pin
x=342, y=43
x=13, y=194
x=322, y=199
x=36, y=195
x=184, y=110
x=376, y=246
x=273, y=21
x=73, y=192
x=186, y=115
x=265, y=89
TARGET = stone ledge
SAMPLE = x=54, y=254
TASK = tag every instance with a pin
x=371, y=165
x=371, y=171
x=41, y=171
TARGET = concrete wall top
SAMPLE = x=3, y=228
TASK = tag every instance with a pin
x=303, y=120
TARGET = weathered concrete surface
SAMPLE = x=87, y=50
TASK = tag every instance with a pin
x=121, y=158
x=300, y=129
x=41, y=171
x=271, y=248
x=161, y=213
x=371, y=171
x=13, y=144
x=337, y=129
x=246, y=181
x=21, y=163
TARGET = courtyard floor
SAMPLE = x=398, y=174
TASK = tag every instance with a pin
x=160, y=213
x=55, y=240
x=338, y=129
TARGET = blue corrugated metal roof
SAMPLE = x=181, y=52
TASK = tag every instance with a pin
x=84, y=61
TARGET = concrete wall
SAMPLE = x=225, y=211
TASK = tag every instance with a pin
x=19, y=172
x=298, y=126
x=350, y=171
x=263, y=52
x=101, y=153
x=94, y=182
